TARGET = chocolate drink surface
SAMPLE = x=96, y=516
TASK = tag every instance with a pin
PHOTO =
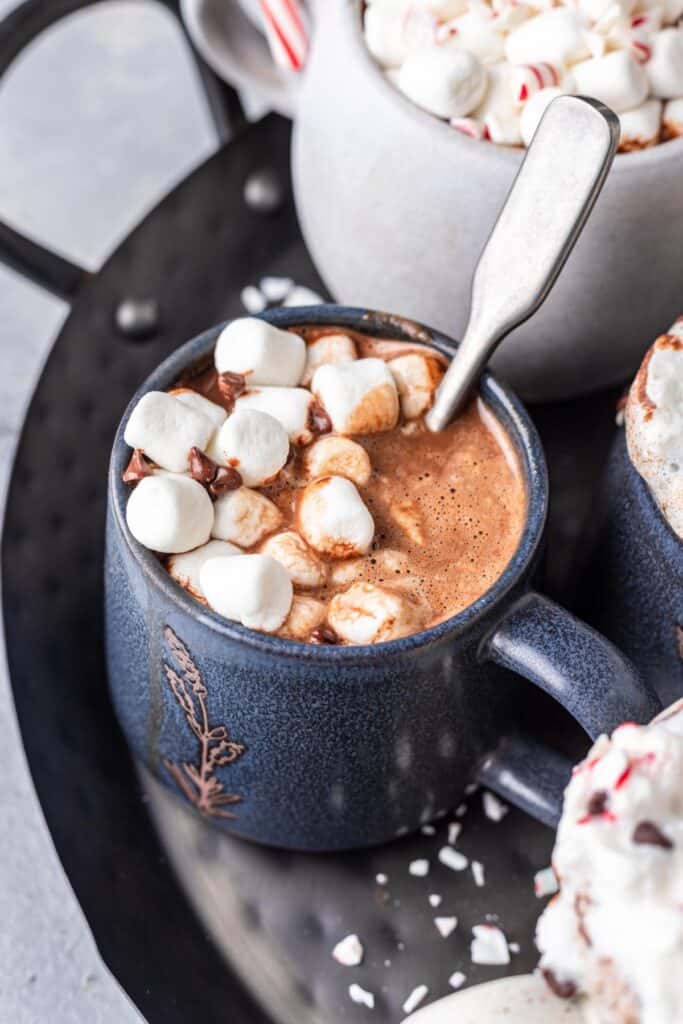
x=446, y=511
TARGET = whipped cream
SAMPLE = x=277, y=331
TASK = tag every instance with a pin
x=615, y=931
x=654, y=423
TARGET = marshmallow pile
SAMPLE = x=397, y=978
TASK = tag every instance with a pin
x=654, y=423
x=491, y=67
x=206, y=475
x=615, y=931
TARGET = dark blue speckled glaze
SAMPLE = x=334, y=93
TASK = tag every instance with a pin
x=339, y=747
x=634, y=590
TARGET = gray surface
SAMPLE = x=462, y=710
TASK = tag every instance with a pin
x=100, y=117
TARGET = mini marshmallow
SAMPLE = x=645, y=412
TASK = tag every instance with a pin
x=478, y=33
x=291, y=407
x=252, y=589
x=528, y=79
x=252, y=442
x=672, y=119
x=616, y=79
x=194, y=400
x=260, y=352
x=557, y=36
x=393, y=30
x=359, y=397
x=368, y=614
x=534, y=111
x=499, y=112
x=330, y=348
x=245, y=517
x=665, y=67
x=417, y=377
x=333, y=519
x=443, y=80
x=185, y=568
x=166, y=428
x=305, y=615
x=338, y=456
x=304, y=567
x=640, y=128
x=170, y=514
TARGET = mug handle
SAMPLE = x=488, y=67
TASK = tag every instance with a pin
x=590, y=678
x=237, y=51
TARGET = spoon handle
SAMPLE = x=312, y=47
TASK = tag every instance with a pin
x=545, y=211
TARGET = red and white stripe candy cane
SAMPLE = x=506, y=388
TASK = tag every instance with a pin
x=286, y=31
x=531, y=78
x=468, y=126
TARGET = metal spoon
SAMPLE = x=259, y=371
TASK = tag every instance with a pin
x=544, y=214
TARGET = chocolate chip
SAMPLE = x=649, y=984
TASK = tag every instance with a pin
x=217, y=479
x=324, y=635
x=231, y=386
x=562, y=989
x=226, y=479
x=199, y=378
x=646, y=833
x=598, y=802
x=318, y=420
x=137, y=469
x=202, y=468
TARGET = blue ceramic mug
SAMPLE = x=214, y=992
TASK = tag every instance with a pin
x=634, y=584
x=322, y=748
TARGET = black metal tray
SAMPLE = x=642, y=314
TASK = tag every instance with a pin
x=274, y=915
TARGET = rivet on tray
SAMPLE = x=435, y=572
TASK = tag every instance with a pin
x=137, y=318
x=263, y=191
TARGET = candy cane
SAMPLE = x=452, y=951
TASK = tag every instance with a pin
x=468, y=126
x=531, y=78
x=286, y=32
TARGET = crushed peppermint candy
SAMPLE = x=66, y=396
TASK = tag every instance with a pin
x=489, y=946
x=253, y=300
x=494, y=809
x=446, y=925
x=361, y=996
x=381, y=878
x=435, y=900
x=301, y=296
x=349, y=951
x=276, y=289
x=415, y=998
x=478, y=873
x=454, y=830
x=457, y=979
x=453, y=859
x=419, y=868
x=545, y=882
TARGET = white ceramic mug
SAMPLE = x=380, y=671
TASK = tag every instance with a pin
x=395, y=207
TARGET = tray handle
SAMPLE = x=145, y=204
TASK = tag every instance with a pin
x=18, y=29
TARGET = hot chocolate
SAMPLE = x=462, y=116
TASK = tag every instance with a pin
x=336, y=516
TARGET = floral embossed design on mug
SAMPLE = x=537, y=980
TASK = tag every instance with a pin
x=216, y=750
